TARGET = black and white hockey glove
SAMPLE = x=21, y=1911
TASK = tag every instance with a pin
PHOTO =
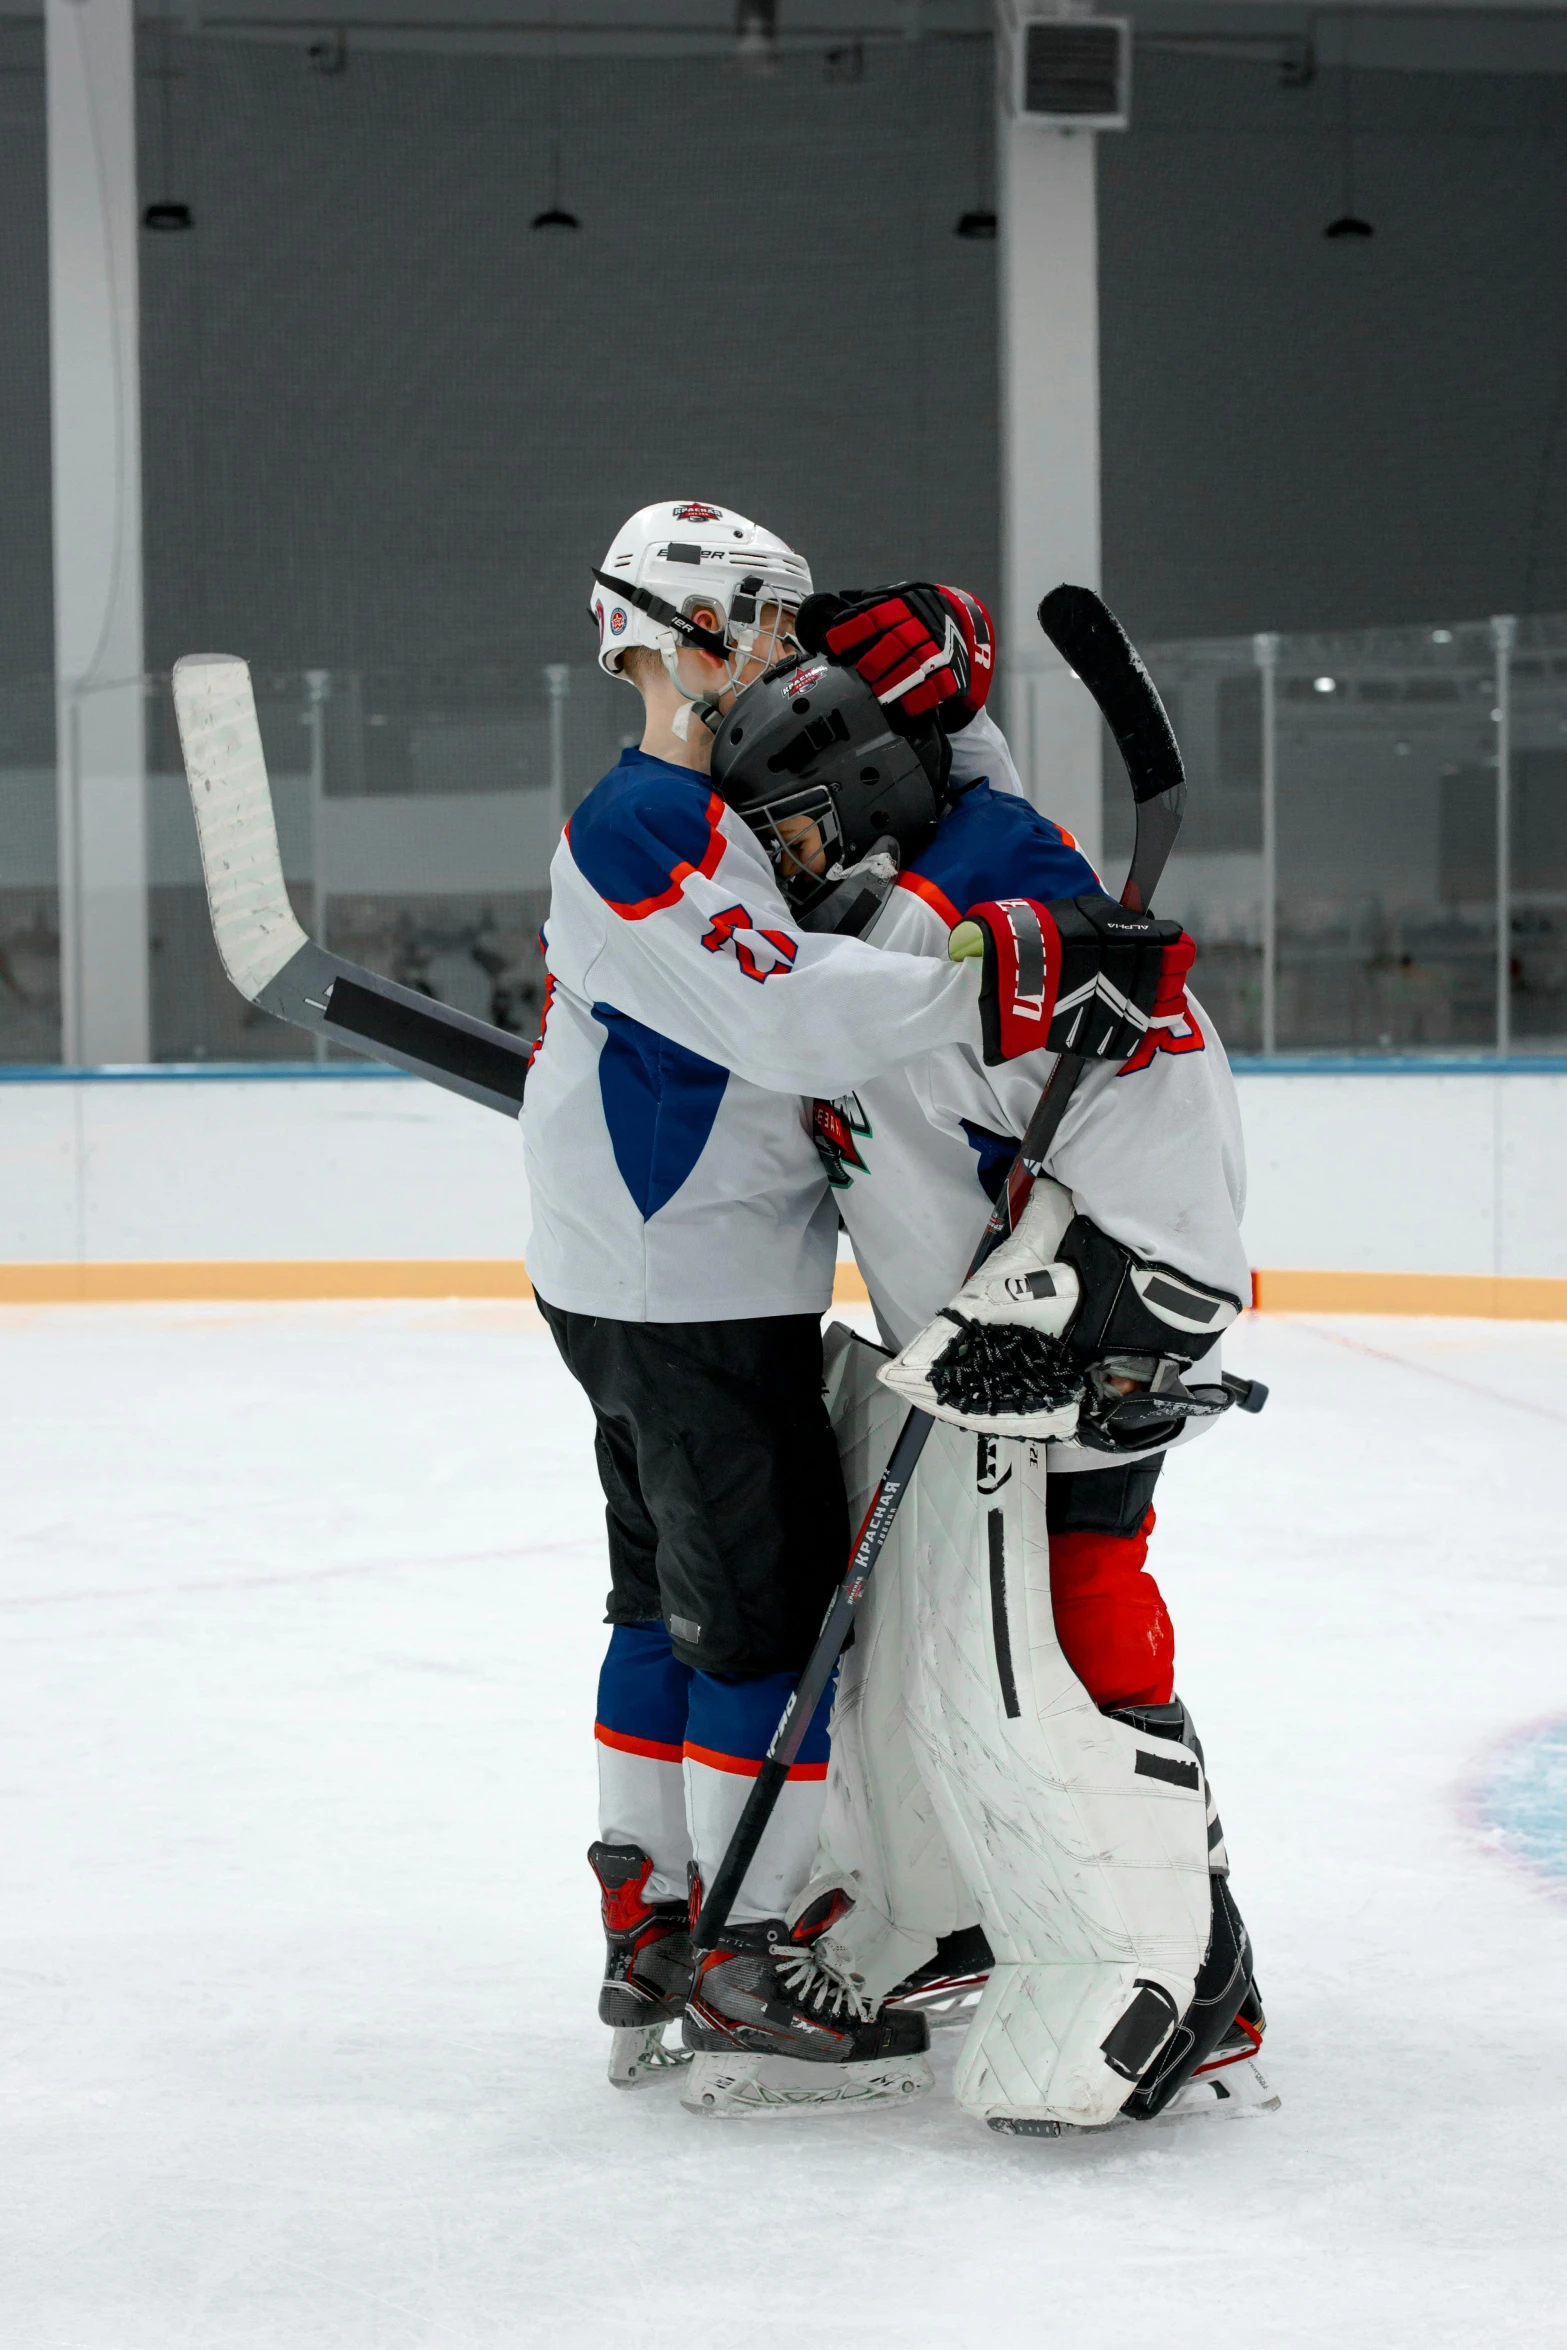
x=1081, y=975
x=1063, y=1333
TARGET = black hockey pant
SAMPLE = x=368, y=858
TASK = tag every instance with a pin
x=724, y=1498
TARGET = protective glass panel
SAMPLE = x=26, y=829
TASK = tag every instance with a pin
x=1387, y=777
x=417, y=814
x=1538, y=926
x=1213, y=882
x=29, y=880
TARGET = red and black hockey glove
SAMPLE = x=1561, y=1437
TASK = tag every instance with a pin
x=919, y=647
x=1079, y=976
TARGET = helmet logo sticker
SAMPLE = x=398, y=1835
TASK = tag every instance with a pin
x=617, y=621
x=598, y=614
x=695, y=512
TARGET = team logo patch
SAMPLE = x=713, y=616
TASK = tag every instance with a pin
x=834, y=1126
x=808, y=678
x=697, y=513
x=773, y=954
x=617, y=621
x=1172, y=1024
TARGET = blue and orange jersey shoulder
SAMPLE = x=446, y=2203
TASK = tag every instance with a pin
x=640, y=834
x=994, y=845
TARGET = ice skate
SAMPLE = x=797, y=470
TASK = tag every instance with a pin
x=1231, y=2082
x=773, y=2030
x=946, y=1989
x=647, y=1966
x=640, y=2058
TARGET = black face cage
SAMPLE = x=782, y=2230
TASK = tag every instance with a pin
x=812, y=802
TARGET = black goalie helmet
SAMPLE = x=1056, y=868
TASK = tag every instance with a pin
x=838, y=797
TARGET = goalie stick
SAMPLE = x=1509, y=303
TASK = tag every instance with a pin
x=266, y=954
x=1095, y=646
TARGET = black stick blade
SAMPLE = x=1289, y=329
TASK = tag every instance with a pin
x=1090, y=639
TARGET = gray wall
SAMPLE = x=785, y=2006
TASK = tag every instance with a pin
x=1300, y=433
x=388, y=424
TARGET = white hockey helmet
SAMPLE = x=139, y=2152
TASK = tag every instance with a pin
x=669, y=561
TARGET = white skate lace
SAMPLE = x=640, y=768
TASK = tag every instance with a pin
x=815, y=1983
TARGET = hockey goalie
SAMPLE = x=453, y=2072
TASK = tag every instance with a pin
x=1017, y=1801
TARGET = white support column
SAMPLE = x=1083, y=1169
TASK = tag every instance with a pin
x=1049, y=325
x=96, y=409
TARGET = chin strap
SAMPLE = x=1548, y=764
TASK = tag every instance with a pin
x=678, y=633
x=694, y=706
x=854, y=897
x=701, y=640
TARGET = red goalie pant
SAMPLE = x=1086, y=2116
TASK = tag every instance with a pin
x=1111, y=1620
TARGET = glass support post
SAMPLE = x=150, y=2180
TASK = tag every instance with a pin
x=1504, y=635
x=318, y=687
x=557, y=684
x=1265, y=648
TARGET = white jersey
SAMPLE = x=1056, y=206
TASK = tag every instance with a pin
x=669, y=1154
x=1151, y=1152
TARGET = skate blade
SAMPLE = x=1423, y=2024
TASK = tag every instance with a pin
x=1230, y=2092
x=741, y=2084
x=943, y=2009
x=638, y=2058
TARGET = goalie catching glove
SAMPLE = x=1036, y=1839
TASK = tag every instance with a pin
x=1082, y=975
x=1062, y=1333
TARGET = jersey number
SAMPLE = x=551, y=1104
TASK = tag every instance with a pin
x=724, y=933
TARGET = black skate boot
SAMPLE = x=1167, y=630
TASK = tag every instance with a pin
x=773, y=2030
x=647, y=1966
x=946, y=1988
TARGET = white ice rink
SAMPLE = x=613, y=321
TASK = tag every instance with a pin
x=298, y=2049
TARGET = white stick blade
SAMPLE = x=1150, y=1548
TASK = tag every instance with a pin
x=220, y=736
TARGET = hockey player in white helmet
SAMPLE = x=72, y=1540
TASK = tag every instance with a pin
x=1013, y=1778
x=695, y=578
x=682, y=1252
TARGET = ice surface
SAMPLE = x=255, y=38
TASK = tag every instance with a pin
x=299, y=1951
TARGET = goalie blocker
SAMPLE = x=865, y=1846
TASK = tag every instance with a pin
x=1083, y=976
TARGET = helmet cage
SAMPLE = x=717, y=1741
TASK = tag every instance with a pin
x=809, y=741
x=813, y=803
x=750, y=640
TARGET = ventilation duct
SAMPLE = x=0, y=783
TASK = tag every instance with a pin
x=1073, y=72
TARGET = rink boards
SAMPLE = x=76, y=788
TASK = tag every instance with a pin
x=1381, y=1188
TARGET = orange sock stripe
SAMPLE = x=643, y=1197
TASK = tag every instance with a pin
x=745, y=1766
x=627, y=1745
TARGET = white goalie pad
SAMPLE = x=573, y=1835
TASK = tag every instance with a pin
x=880, y=1837
x=972, y=1772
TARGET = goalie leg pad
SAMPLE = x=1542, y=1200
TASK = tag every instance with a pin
x=1083, y=1838
x=880, y=1837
